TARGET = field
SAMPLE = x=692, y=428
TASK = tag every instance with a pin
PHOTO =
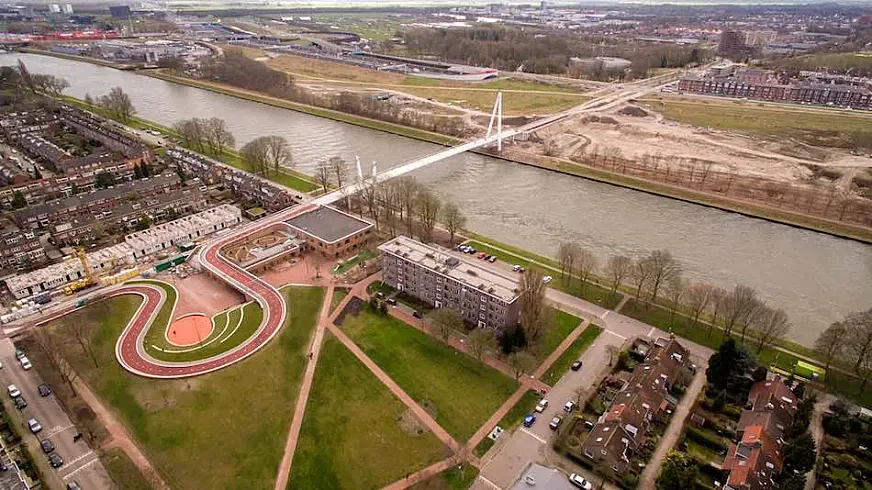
x=338, y=295
x=356, y=434
x=222, y=430
x=816, y=126
x=454, y=478
x=123, y=472
x=512, y=419
x=564, y=324
x=458, y=391
x=564, y=362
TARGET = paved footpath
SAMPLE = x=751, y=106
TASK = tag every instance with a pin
x=305, y=389
x=673, y=431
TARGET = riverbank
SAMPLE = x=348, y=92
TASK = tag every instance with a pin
x=86, y=59
x=812, y=223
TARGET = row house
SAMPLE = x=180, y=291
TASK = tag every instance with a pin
x=20, y=249
x=808, y=93
x=15, y=124
x=106, y=132
x=644, y=399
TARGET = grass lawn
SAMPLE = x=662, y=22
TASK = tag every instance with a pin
x=454, y=478
x=513, y=255
x=356, y=434
x=511, y=420
x=338, y=295
x=564, y=324
x=459, y=391
x=348, y=264
x=564, y=362
x=378, y=286
x=223, y=430
x=123, y=472
x=240, y=322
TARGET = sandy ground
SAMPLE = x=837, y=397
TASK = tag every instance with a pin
x=303, y=271
x=676, y=144
x=199, y=293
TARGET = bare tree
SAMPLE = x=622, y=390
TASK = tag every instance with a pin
x=832, y=343
x=532, y=301
x=278, y=152
x=428, y=212
x=566, y=252
x=859, y=343
x=739, y=307
x=193, y=133
x=254, y=153
x=370, y=193
x=265, y=154
x=340, y=175
x=520, y=362
x=587, y=264
x=407, y=193
x=82, y=332
x=51, y=348
x=453, y=219
x=390, y=205
x=641, y=273
x=118, y=104
x=612, y=350
x=218, y=137
x=719, y=298
x=26, y=77
x=675, y=287
x=698, y=297
x=771, y=324
x=479, y=340
x=444, y=321
x=617, y=268
x=322, y=175
x=89, y=101
x=663, y=267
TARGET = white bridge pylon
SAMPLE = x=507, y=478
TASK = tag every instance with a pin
x=497, y=114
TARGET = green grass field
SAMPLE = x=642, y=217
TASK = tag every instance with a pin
x=338, y=295
x=459, y=391
x=564, y=362
x=122, y=471
x=454, y=478
x=564, y=324
x=356, y=434
x=222, y=430
x=231, y=329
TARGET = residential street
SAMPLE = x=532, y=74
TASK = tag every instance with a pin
x=81, y=464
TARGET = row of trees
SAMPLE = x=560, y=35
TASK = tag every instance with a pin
x=267, y=154
x=850, y=341
x=21, y=80
x=234, y=68
x=116, y=103
x=659, y=274
x=209, y=136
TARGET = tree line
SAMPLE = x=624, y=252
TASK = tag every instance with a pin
x=234, y=68
x=849, y=342
x=658, y=275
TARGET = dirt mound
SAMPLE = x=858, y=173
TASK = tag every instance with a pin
x=600, y=119
x=633, y=111
x=411, y=424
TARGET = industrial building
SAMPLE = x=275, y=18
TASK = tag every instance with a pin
x=182, y=230
x=481, y=295
x=332, y=232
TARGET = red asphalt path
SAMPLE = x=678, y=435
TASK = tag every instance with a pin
x=130, y=349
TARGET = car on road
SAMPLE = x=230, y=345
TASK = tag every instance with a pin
x=20, y=402
x=547, y=279
x=13, y=391
x=529, y=420
x=34, y=425
x=46, y=445
x=73, y=486
x=481, y=255
x=555, y=422
x=25, y=363
x=19, y=354
x=417, y=314
x=44, y=390
x=543, y=404
x=55, y=460
x=580, y=482
x=391, y=301
x=576, y=365
x=492, y=259
x=569, y=407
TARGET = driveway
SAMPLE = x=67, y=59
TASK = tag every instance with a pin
x=81, y=464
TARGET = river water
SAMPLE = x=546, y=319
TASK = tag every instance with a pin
x=815, y=278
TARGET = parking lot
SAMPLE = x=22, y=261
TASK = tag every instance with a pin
x=80, y=463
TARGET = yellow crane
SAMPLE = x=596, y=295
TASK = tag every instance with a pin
x=89, y=278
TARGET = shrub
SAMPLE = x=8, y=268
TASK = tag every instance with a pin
x=705, y=438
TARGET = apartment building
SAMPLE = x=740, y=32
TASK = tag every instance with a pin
x=20, y=248
x=268, y=194
x=644, y=399
x=481, y=295
x=127, y=214
x=183, y=230
x=92, y=203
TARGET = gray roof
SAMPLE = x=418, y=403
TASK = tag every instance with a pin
x=328, y=224
x=542, y=478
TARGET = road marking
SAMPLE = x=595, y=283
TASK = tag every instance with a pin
x=605, y=314
x=492, y=484
x=85, y=465
x=650, y=332
x=617, y=335
x=56, y=430
x=534, y=436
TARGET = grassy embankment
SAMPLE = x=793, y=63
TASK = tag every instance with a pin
x=437, y=376
x=356, y=434
x=226, y=429
x=288, y=178
x=571, y=354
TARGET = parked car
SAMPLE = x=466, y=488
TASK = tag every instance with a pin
x=555, y=422
x=44, y=390
x=19, y=353
x=34, y=425
x=529, y=420
x=417, y=314
x=13, y=391
x=55, y=460
x=20, y=402
x=543, y=404
x=569, y=407
x=25, y=363
x=391, y=301
x=481, y=255
x=380, y=295
x=580, y=482
x=547, y=279
x=492, y=259
x=73, y=486
x=576, y=365
x=46, y=445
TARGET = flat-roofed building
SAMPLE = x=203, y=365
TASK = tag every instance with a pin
x=332, y=232
x=183, y=230
x=481, y=295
